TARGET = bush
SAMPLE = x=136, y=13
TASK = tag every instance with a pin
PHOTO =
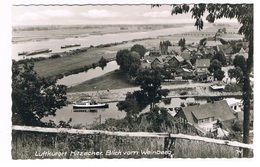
x=183, y=92
x=55, y=56
x=233, y=88
x=237, y=126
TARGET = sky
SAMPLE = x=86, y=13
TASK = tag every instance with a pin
x=97, y=14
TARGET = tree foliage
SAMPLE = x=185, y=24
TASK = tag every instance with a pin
x=239, y=61
x=128, y=61
x=182, y=42
x=102, y=62
x=159, y=119
x=219, y=74
x=236, y=73
x=220, y=57
x=214, y=66
x=132, y=106
x=140, y=49
x=34, y=97
x=150, y=84
x=164, y=46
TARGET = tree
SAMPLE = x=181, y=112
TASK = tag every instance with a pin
x=219, y=74
x=140, y=49
x=121, y=56
x=34, y=97
x=129, y=62
x=244, y=15
x=236, y=73
x=131, y=106
x=150, y=84
x=102, y=62
x=239, y=61
x=182, y=42
x=164, y=46
x=159, y=119
x=214, y=66
x=220, y=57
x=132, y=64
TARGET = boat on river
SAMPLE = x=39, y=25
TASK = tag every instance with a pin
x=217, y=87
x=22, y=53
x=89, y=104
x=39, y=51
x=70, y=46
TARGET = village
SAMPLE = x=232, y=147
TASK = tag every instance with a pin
x=194, y=63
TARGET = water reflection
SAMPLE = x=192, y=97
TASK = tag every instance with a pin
x=74, y=79
x=87, y=117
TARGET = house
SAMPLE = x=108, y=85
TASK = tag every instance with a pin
x=174, y=50
x=211, y=43
x=175, y=61
x=154, y=53
x=242, y=52
x=235, y=104
x=184, y=73
x=227, y=49
x=185, y=54
x=210, y=50
x=201, y=66
x=146, y=64
x=207, y=117
x=157, y=63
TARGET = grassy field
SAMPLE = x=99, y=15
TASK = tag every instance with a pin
x=29, y=145
x=111, y=80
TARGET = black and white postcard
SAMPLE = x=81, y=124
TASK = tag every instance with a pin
x=132, y=80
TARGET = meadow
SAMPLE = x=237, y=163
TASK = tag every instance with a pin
x=32, y=145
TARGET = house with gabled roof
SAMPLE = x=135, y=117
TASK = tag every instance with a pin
x=184, y=73
x=174, y=50
x=201, y=66
x=241, y=52
x=227, y=49
x=157, y=63
x=208, y=117
x=185, y=54
x=175, y=61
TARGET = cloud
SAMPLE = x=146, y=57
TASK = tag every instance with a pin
x=30, y=16
x=57, y=13
x=100, y=14
x=157, y=14
x=40, y=16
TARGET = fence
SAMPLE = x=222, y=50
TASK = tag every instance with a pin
x=169, y=139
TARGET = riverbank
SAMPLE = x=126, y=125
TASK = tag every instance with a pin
x=40, y=33
x=114, y=95
x=112, y=80
x=65, y=64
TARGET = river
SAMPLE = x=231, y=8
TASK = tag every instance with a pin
x=75, y=79
x=86, y=41
x=88, y=117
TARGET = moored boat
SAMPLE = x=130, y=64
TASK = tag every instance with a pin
x=89, y=104
x=22, y=53
x=70, y=46
x=217, y=87
x=39, y=51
